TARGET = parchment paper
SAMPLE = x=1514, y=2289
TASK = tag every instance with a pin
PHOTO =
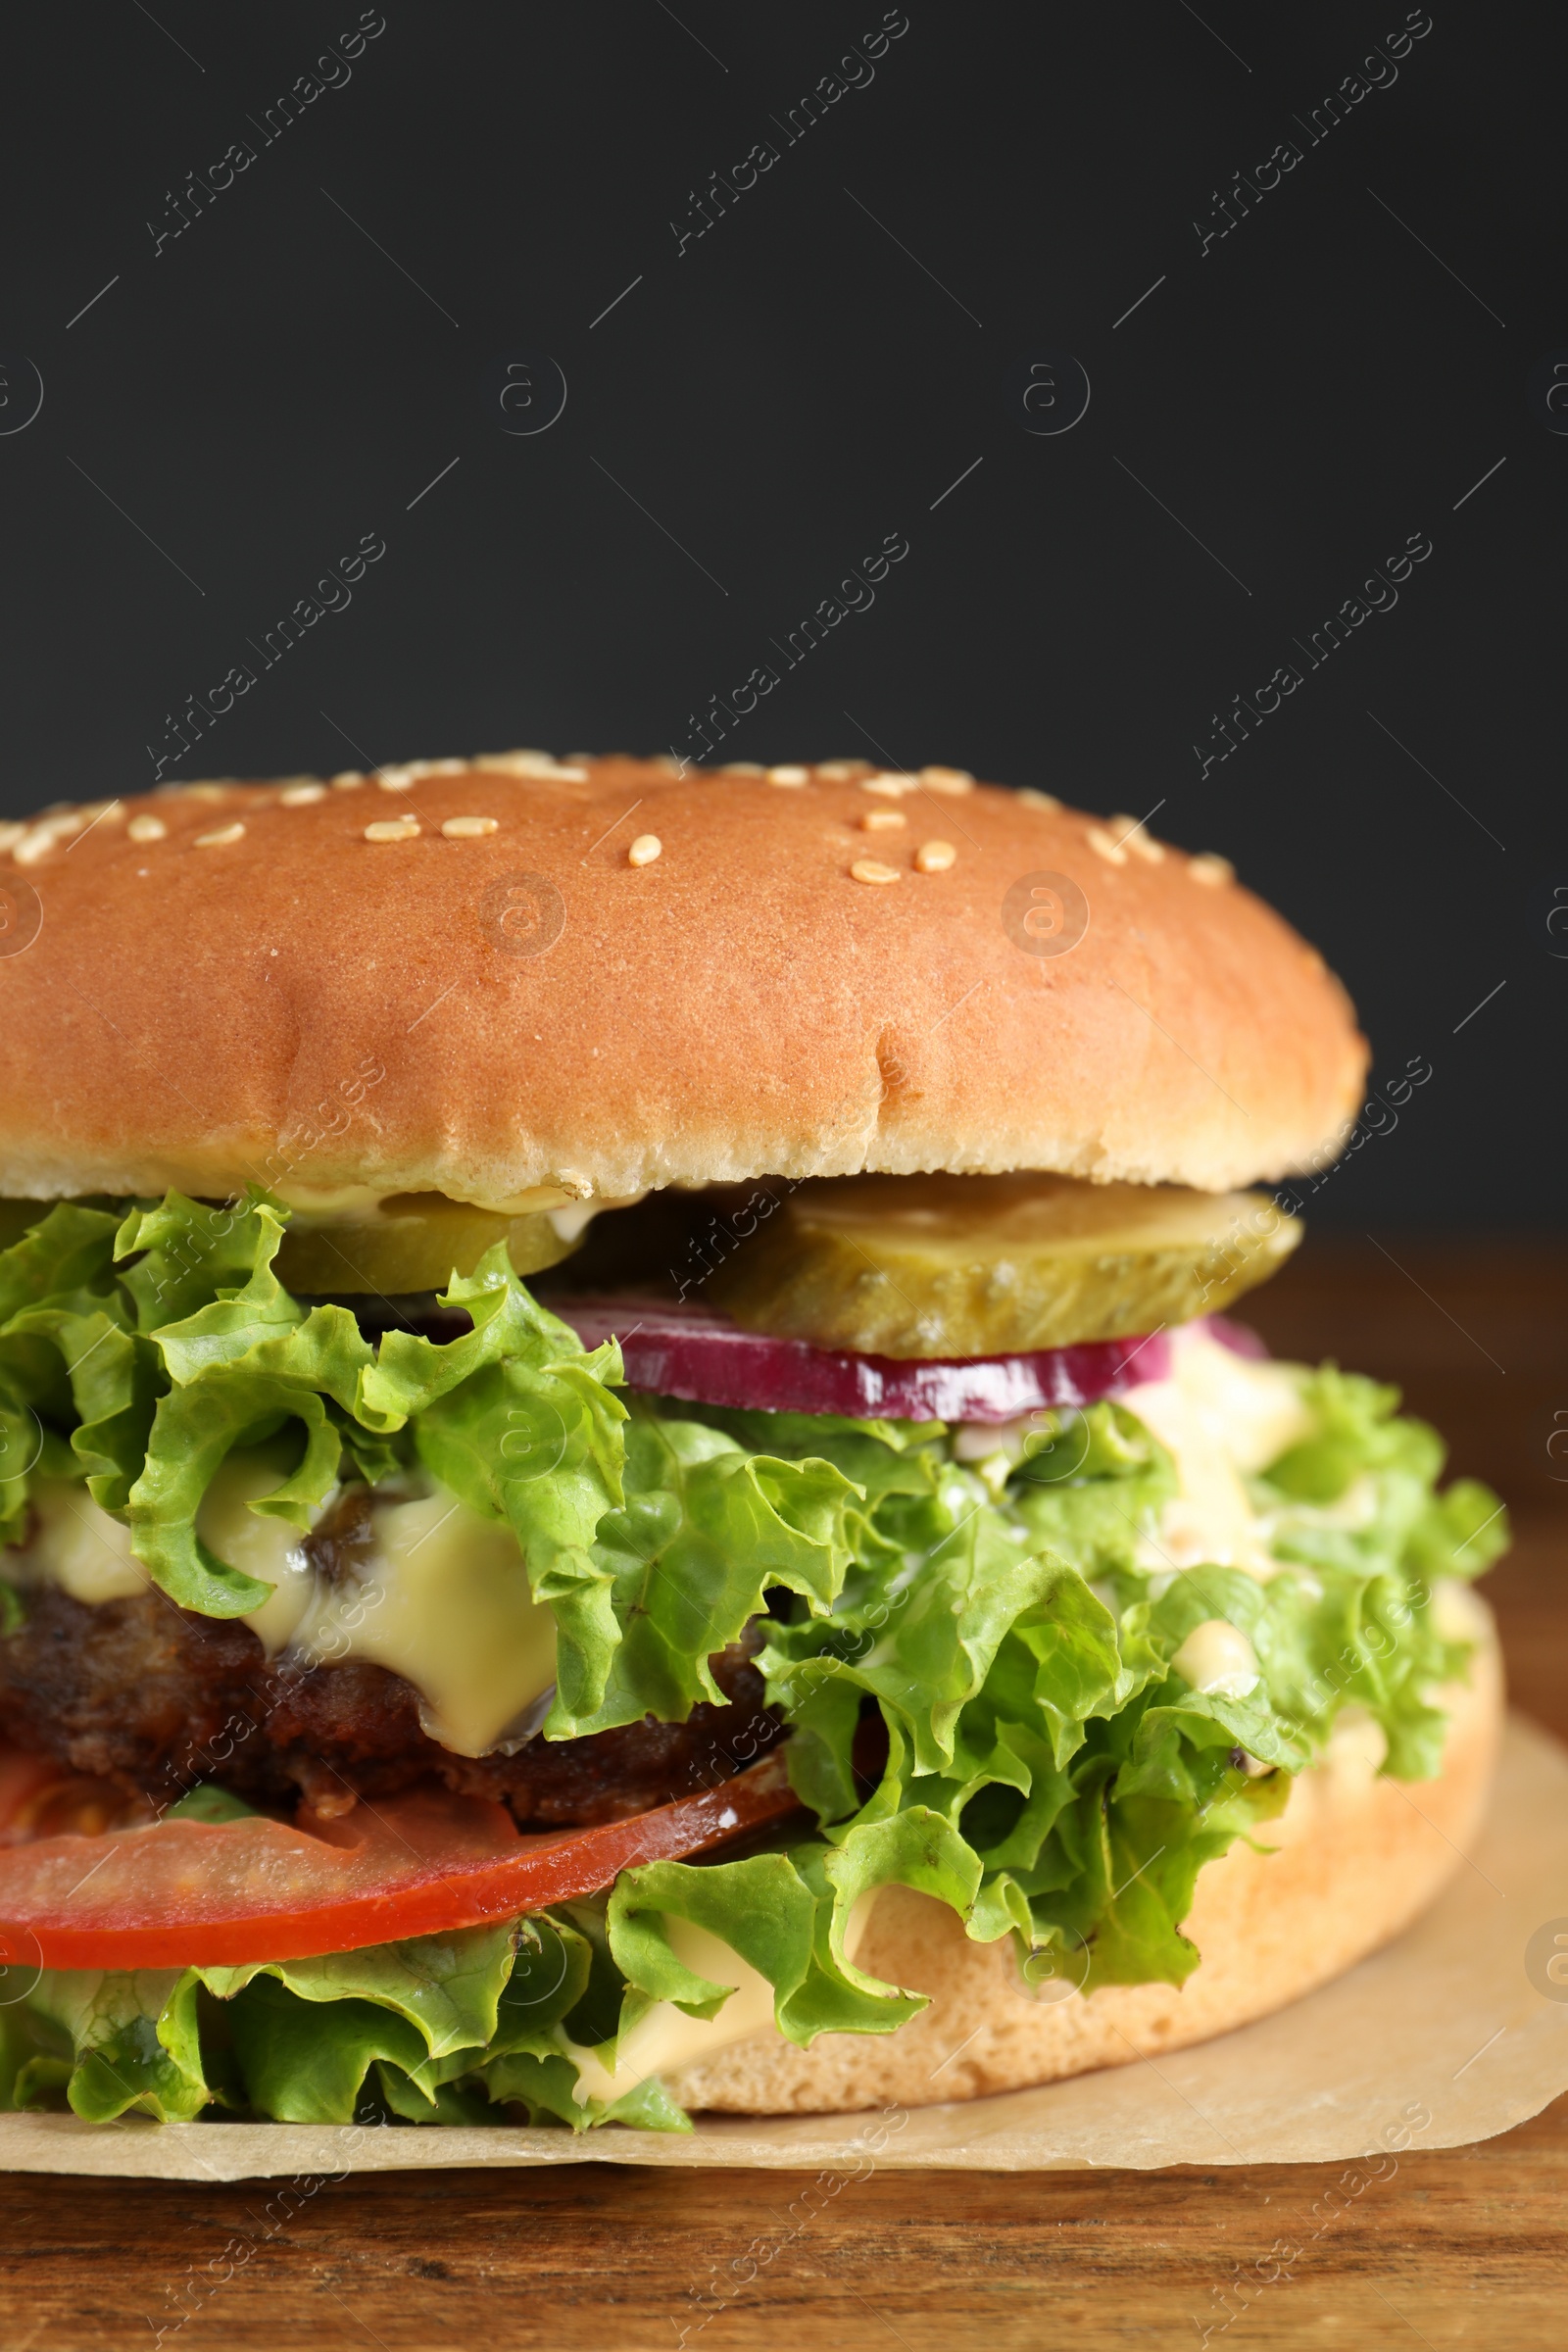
x=1440, y=2039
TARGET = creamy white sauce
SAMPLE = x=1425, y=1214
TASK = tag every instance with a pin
x=1222, y=1417
x=327, y=1203
x=1217, y=1659
x=564, y=1204
x=667, y=2037
x=1458, y=1612
x=1357, y=1746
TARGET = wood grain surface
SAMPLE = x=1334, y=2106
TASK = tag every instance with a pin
x=1461, y=2246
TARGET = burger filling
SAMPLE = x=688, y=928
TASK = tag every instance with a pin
x=292, y=1563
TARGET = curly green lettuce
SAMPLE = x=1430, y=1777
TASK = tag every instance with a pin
x=975, y=1664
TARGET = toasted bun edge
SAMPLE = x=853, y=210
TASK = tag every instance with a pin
x=1353, y=1861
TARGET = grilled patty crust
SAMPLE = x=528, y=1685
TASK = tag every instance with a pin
x=159, y=1699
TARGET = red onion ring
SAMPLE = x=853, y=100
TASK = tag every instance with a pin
x=699, y=1356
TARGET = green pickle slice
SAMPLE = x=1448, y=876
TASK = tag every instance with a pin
x=996, y=1265
x=410, y=1242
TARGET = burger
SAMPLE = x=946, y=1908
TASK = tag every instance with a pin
x=626, y=1486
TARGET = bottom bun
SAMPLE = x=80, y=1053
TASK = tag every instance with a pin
x=1353, y=1860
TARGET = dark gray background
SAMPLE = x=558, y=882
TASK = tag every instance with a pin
x=1277, y=418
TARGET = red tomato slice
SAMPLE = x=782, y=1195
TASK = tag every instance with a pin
x=187, y=1893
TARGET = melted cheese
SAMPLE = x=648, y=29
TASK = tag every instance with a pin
x=1221, y=1416
x=78, y=1546
x=256, y=1545
x=445, y=1602
x=443, y=1597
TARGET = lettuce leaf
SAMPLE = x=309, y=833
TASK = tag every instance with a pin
x=514, y=1415
x=1095, y=1485
x=973, y=1663
x=63, y=1355
x=468, y=2028
x=117, y=2044
x=704, y=1533
x=776, y=1912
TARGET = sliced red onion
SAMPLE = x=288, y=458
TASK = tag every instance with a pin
x=699, y=1354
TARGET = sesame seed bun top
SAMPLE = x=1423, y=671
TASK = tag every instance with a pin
x=598, y=975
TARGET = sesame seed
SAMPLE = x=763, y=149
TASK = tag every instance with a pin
x=934, y=856
x=1211, y=870
x=393, y=828
x=789, y=775
x=1129, y=831
x=395, y=779
x=299, y=796
x=11, y=832
x=37, y=841
x=215, y=789
x=437, y=768
x=883, y=820
x=955, y=782
x=871, y=870
x=1104, y=846
x=839, y=771
x=743, y=767
x=146, y=828
x=542, y=764
x=222, y=838
x=347, y=779
x=644, y=850
x=1037, y=799
x=470, y=828
x=891, y=788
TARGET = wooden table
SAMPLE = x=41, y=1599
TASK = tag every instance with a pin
x=1462, y=2247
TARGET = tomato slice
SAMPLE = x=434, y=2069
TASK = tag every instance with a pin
x=184, y=1893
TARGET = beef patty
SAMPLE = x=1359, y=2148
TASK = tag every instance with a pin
x=159, y=1699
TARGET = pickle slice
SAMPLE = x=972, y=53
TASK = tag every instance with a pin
x=995, y=1265
x=410, y=1242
